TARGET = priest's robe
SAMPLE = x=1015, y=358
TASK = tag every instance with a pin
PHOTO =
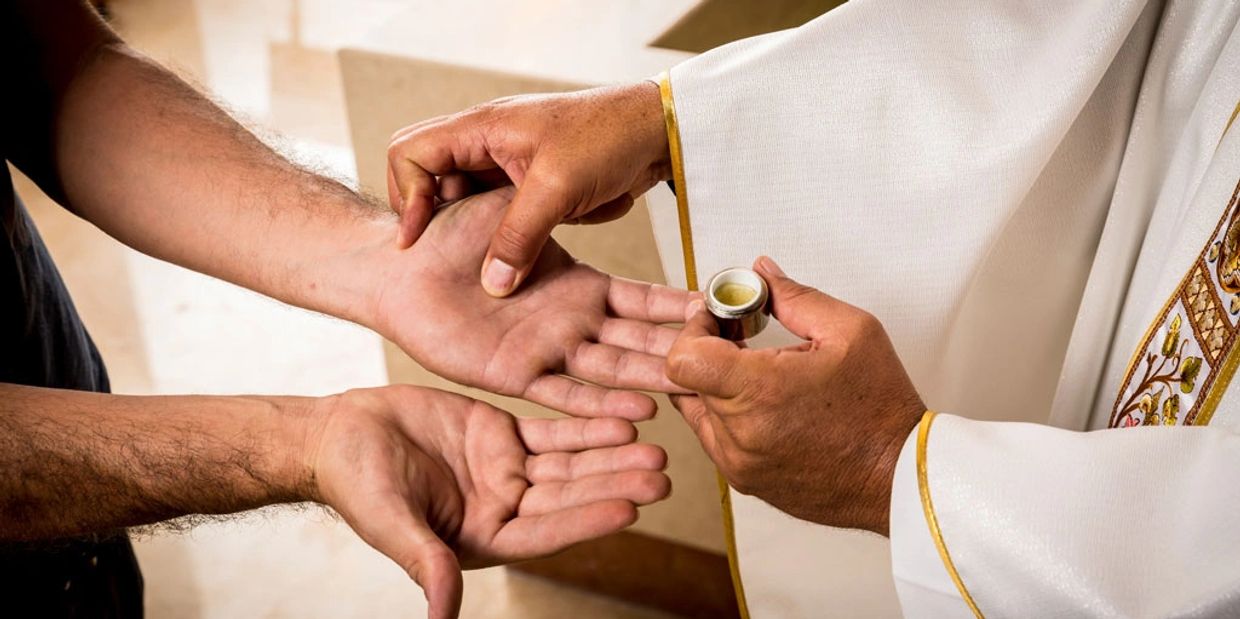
x=1038, y=199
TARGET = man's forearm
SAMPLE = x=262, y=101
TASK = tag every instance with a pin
x=75, y=462
x=155, y=164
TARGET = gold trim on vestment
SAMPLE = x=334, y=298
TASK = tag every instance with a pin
x=1232, y=361
x=691, y=282
x=923, y=487
x=1145, y=395
x=1227, y=127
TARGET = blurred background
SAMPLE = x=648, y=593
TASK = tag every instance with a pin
x=327, y=82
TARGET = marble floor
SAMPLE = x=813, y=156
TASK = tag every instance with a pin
x=166, y=330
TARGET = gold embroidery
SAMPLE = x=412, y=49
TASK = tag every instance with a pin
x=927, y=506
x=1228, y=265
x=686, y=243
x=1168, y=390
x=1203, y=303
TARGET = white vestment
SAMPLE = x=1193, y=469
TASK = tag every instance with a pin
x=1037, y=200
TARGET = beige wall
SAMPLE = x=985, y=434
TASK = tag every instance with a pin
x=384, y=93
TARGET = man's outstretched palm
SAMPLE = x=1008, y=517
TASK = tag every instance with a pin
x=568, y=318
x=438, y=481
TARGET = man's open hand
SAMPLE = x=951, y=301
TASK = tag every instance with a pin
x=582, y=156
x=814, y=429
x=569, y=318
x=437, y=481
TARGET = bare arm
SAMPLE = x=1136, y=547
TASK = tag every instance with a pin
x=142, y=155
x=153, y=163
x=77, y=462
x=435, y=481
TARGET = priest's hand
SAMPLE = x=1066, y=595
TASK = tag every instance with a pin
x=569, y=318
x=814, y=429
x=439, y=482
x=575, y=157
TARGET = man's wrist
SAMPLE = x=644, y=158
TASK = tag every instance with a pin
x=646, y=103
x=282, y=432
x=882, y=473
x=345, y=275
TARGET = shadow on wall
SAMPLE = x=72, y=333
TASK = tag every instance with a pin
x=718, y=22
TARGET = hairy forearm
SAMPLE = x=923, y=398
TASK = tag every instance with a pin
x=76, y=462
x=155, y=164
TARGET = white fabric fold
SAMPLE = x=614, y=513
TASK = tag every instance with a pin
x=947, y=165
x=1116, y=523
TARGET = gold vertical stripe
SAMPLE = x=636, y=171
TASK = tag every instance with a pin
x=691, y=282
x=1227, y=127
x=678, y=177
x=923, y=486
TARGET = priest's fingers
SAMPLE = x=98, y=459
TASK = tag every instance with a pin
x=455, y=186
x=415, y=157
x=552, y=435
x=585, y=400
x=637, y=487
x=807, y=312
x=627, y=298
x=561, y=466
x=700, y=420
x=638, y=335
x=620, y=368
x=533, y=536
x=458, y=185
x=608, y=211
x=703, y=362
x=412, y=194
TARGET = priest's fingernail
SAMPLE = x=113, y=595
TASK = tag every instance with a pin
x=498, y=277
x=768, y=265
x=694, y=307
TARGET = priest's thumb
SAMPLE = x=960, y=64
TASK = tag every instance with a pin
x=538, y=206
x=806, y=312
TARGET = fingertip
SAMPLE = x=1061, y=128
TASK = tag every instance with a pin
x=413, y=221
x=768, y=267
x=627, y=405
x=657, y=488
x=499, y=278
x=624, y=514
x=646, y=457
x=404, y=239
x=609, y=432
x=636, y=406
x=661, y=458
x=695, y=306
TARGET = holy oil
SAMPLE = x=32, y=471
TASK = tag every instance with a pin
x=737, y=298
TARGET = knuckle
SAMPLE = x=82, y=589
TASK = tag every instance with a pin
x=796, y=292
x=558, y=181
x=511, y=241
x=394, y=151
x=676, y=366
x=397, y=137
x=867, y=326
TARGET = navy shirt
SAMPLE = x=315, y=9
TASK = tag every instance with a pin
x=44, y=344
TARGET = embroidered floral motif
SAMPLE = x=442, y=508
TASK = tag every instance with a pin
x=1168, y=374
x=1179, y=359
